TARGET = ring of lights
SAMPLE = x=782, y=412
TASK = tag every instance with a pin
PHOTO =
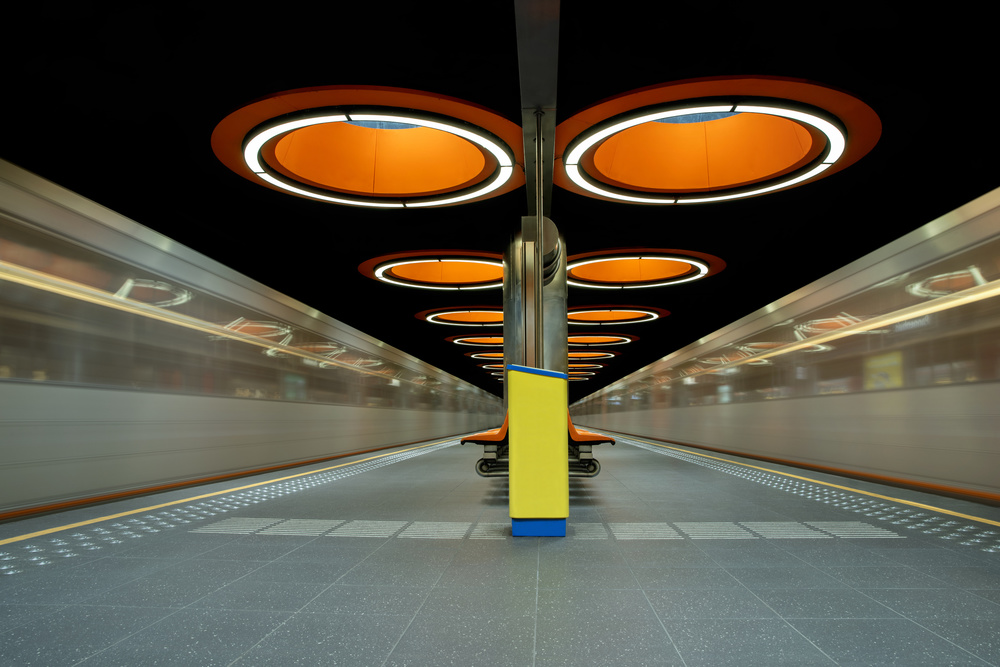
x=479, y=341
x=639, y=267
x=604, y=315
x=464, y=317
x=451, y=151
x=825, y=131
x=438, y=269
x=588, y=340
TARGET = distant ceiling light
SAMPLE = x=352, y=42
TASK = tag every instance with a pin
x=573, y=354
x=580, y=373
x=580, y=367
x=484, y=341
x=459, y=271
x=492, y=367
x=600, y=339
x=618, y=315
x=486, y=355
x=372, y=147
x=711, y=140
x=480, y=317
x=639, y=268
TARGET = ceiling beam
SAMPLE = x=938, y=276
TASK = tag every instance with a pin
x=538, y=64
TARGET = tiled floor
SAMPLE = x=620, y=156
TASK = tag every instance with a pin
x=671, y=559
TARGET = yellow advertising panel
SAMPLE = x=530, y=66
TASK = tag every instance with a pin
x=539, y=463
x=884, y=371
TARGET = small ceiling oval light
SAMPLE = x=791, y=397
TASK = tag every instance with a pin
x=437, y=270
x=588, y=340
x=480, y=341
x=465, y=317
x=486, y=355
x=687, y=142
x=614, y=315
x=580, y=355
x=638, y=268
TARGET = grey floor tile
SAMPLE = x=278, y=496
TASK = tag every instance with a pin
x=73, y=634
x=936, y=603
x=979, y=637
x=383, y=600
x=482, y=601
x=742, y=643
x=192, y=637
x=883, y=642
x=650, y=578
x=260, y=596
x=688, y=604
x=824, y=603
x=577, y=575
x=465, y=640
x=883, y=577
x=764, y=578
x=964, y=576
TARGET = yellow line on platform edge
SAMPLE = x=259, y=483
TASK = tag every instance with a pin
x=816, y=481
x=69, y=526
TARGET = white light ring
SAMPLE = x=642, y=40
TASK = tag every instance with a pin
x=650, y=316
x=701, y=267
x=481, y=355
x=382, y=268
x=623, y=341
x=605, y=355
x=835, y=141
x=462, y=341
x=576, y=153
x=251, y=156
x=433, y=318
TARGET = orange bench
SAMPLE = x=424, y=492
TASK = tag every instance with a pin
x=496, y=459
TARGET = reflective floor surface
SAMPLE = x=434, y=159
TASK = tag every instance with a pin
x=672, y=557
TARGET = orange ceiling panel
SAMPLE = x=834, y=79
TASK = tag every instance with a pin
x=449, y=273
x=630, y=270
x=371, y=161
x=713, y=154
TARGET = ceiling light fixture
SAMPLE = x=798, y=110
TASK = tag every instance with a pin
x=372, y=147
x=437, y=270
x=639, y=267
x=587, y=340
x=478, y=317
x=691, y=142
x=614, y=315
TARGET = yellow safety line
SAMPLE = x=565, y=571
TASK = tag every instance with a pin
x=816, y=481
x=49, y=531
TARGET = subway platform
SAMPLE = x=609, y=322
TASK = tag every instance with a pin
x=673, y=556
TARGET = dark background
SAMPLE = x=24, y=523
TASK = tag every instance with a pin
x=119, y=104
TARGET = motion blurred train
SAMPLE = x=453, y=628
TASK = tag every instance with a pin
x=120, y=377
x=886, y=369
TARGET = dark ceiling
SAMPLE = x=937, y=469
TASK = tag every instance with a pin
x=119, y=106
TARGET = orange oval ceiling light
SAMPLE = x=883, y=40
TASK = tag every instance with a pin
x=437, y=270
x=483, y=341
x=579, y=355
x=711, y=140
x=486, y=355
x=371, y=146
x=465, y=317
x=600, y=339
x=614, y=315
x=581, y=367
x=639, y=267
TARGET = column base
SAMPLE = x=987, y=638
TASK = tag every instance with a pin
x=538, y=527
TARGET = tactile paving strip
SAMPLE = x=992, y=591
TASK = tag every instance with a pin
x=900, y=516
